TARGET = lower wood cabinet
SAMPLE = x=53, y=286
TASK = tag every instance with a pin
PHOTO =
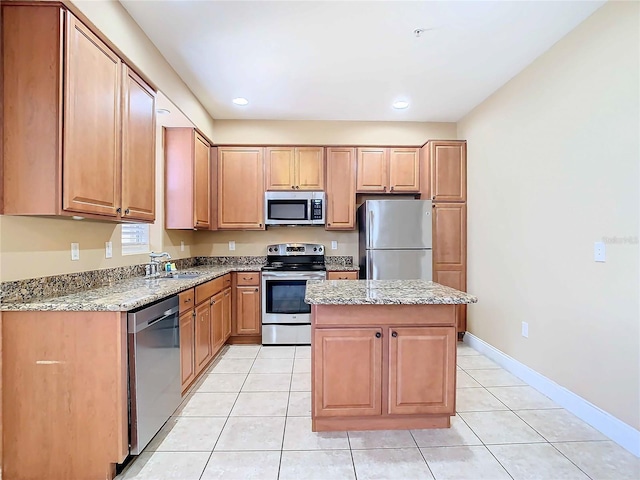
x=226, y=314
x=422, y=362
x=349, y=275
x=217, y=320
x=187, y=351
x=246, y=319
x=203, y=334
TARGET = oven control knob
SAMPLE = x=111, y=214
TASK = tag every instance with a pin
x=315, y=249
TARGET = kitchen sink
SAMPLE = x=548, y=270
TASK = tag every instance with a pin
x=179, y=276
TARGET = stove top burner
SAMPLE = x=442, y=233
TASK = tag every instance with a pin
x=305, y=267
x=295, y=257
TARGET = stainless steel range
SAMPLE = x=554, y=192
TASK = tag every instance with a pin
x=286, y=319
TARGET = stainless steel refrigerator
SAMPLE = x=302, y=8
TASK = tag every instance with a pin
x=395, y=239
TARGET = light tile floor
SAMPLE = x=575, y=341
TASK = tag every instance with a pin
x=250, y=418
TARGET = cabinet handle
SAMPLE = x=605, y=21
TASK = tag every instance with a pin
x=394, y=334
x=193, y=314
x=378, y=334
x=126, y=212
x=118, y=210
x=187, y=300
x=212, y=301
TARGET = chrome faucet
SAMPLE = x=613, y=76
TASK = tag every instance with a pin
x=151, y=268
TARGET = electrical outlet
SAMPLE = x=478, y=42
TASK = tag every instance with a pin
x=525, y=329
x=75, y=251
x=334, y=244
x=108, y=250
x=599, y=254
x=182, y=245
x=232, y=245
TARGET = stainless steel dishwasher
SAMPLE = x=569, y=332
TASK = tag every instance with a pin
x=154, y=369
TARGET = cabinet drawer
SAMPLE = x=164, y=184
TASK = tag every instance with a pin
x=186, y=300
x=248, y=278
x=342, y=275
x=209, y=289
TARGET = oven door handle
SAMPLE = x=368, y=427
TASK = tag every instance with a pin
x=293, y=276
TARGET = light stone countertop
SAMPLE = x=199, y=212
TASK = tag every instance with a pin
x=383, y=292
x=342, y=268
x=127, y=294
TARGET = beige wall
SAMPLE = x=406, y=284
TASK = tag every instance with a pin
x=553, y=167
x=265, y=132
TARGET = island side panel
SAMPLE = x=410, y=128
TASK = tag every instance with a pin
x=436, y=325
x=65, y=394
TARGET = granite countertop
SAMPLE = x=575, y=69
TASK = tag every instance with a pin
x=342, y=268
x=127, y=294
x=383, y=292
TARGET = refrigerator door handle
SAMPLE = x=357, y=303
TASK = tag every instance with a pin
x=370, y=230
x=370, y=274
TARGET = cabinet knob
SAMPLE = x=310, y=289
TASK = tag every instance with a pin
x=293, y=186
x=378, y=334
x=212, y=301
x=392, y=189
x=297, y=187
x=187, y=300
x=256, y=289
x=328, y=224
x=433, y=198
x=118, y=210
x=394, y=334
x=433, y=205
x=384, y=188
x=260, y=225
x=126, y=212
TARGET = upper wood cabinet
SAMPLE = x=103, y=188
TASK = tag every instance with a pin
x=341, y=188
x=187, y=179
x=294, y=168
x=240, y=188
x=448, y=171
x=388, y=170
x=79, y=126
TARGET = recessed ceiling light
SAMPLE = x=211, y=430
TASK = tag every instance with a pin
x=163, y=111
x=400, y=104
x=240, y=101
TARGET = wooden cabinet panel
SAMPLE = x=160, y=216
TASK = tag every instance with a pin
x=203, y=334
x=226, y=314
x=309, y=168
x=217, y=322
x=372, y=172
x=341, y=189
x=91, y=153
x=422, y=363
x=347, y=372
x=248, y=278
x=448, y=171
x=455, y=279
x=248, y=318
x=185, y=300
x=449, y=236
x=240, y=188
x=187, y=352
x=404, y=169
x=280, y=168
x=201, y=183
x=138, y=148
x=342, y=275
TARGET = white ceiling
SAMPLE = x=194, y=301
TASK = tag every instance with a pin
x=349, y=60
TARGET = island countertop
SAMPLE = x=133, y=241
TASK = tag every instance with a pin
x=383, y=292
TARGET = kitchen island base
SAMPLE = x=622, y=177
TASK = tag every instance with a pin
x=383, y=367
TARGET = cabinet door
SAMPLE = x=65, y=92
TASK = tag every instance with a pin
x=373, y=172
x=422, y=368
x=91, y=148
x=448, y=171
x=201, y=183
x=279, y=168
x=203, y=336
x=309, y=168
x=217, y=321
x=187, y=349
x=226, y=315
x=341, y=189
x=449, y=236
x=342, y=275
x=138, y=148
x=240, y=188
x=404, y=169
x=247, y=311
x=347, y=372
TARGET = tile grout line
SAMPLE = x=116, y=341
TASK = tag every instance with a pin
x=422, y=454
x=286, y=412
x=353, y=463
x=229, y=415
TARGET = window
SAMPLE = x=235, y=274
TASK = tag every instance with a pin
x=135, y=238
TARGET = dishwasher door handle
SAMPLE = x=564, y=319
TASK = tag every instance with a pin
x=167, y=314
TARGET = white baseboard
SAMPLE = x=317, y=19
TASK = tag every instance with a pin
x=618, y=431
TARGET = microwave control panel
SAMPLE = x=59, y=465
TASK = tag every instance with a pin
x=316, y=209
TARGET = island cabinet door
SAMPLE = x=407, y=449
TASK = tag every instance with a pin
x=187, y=351
x=422, y=363
x=348, y=372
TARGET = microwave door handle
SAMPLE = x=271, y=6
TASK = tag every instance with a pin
x=309, y=202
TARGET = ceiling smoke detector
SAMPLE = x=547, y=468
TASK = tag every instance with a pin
x=240, y=101
x=400, y=105
x=418, y=32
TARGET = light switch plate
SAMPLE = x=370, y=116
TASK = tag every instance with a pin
x=334, y=244
x=232, y=245
x=599, y=253
x=75, y=251
x=525, y=329
x=108, y=250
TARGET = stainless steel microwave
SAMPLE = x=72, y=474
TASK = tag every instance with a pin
x=294, y=208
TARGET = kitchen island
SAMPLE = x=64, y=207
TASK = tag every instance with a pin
x=383, y=354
